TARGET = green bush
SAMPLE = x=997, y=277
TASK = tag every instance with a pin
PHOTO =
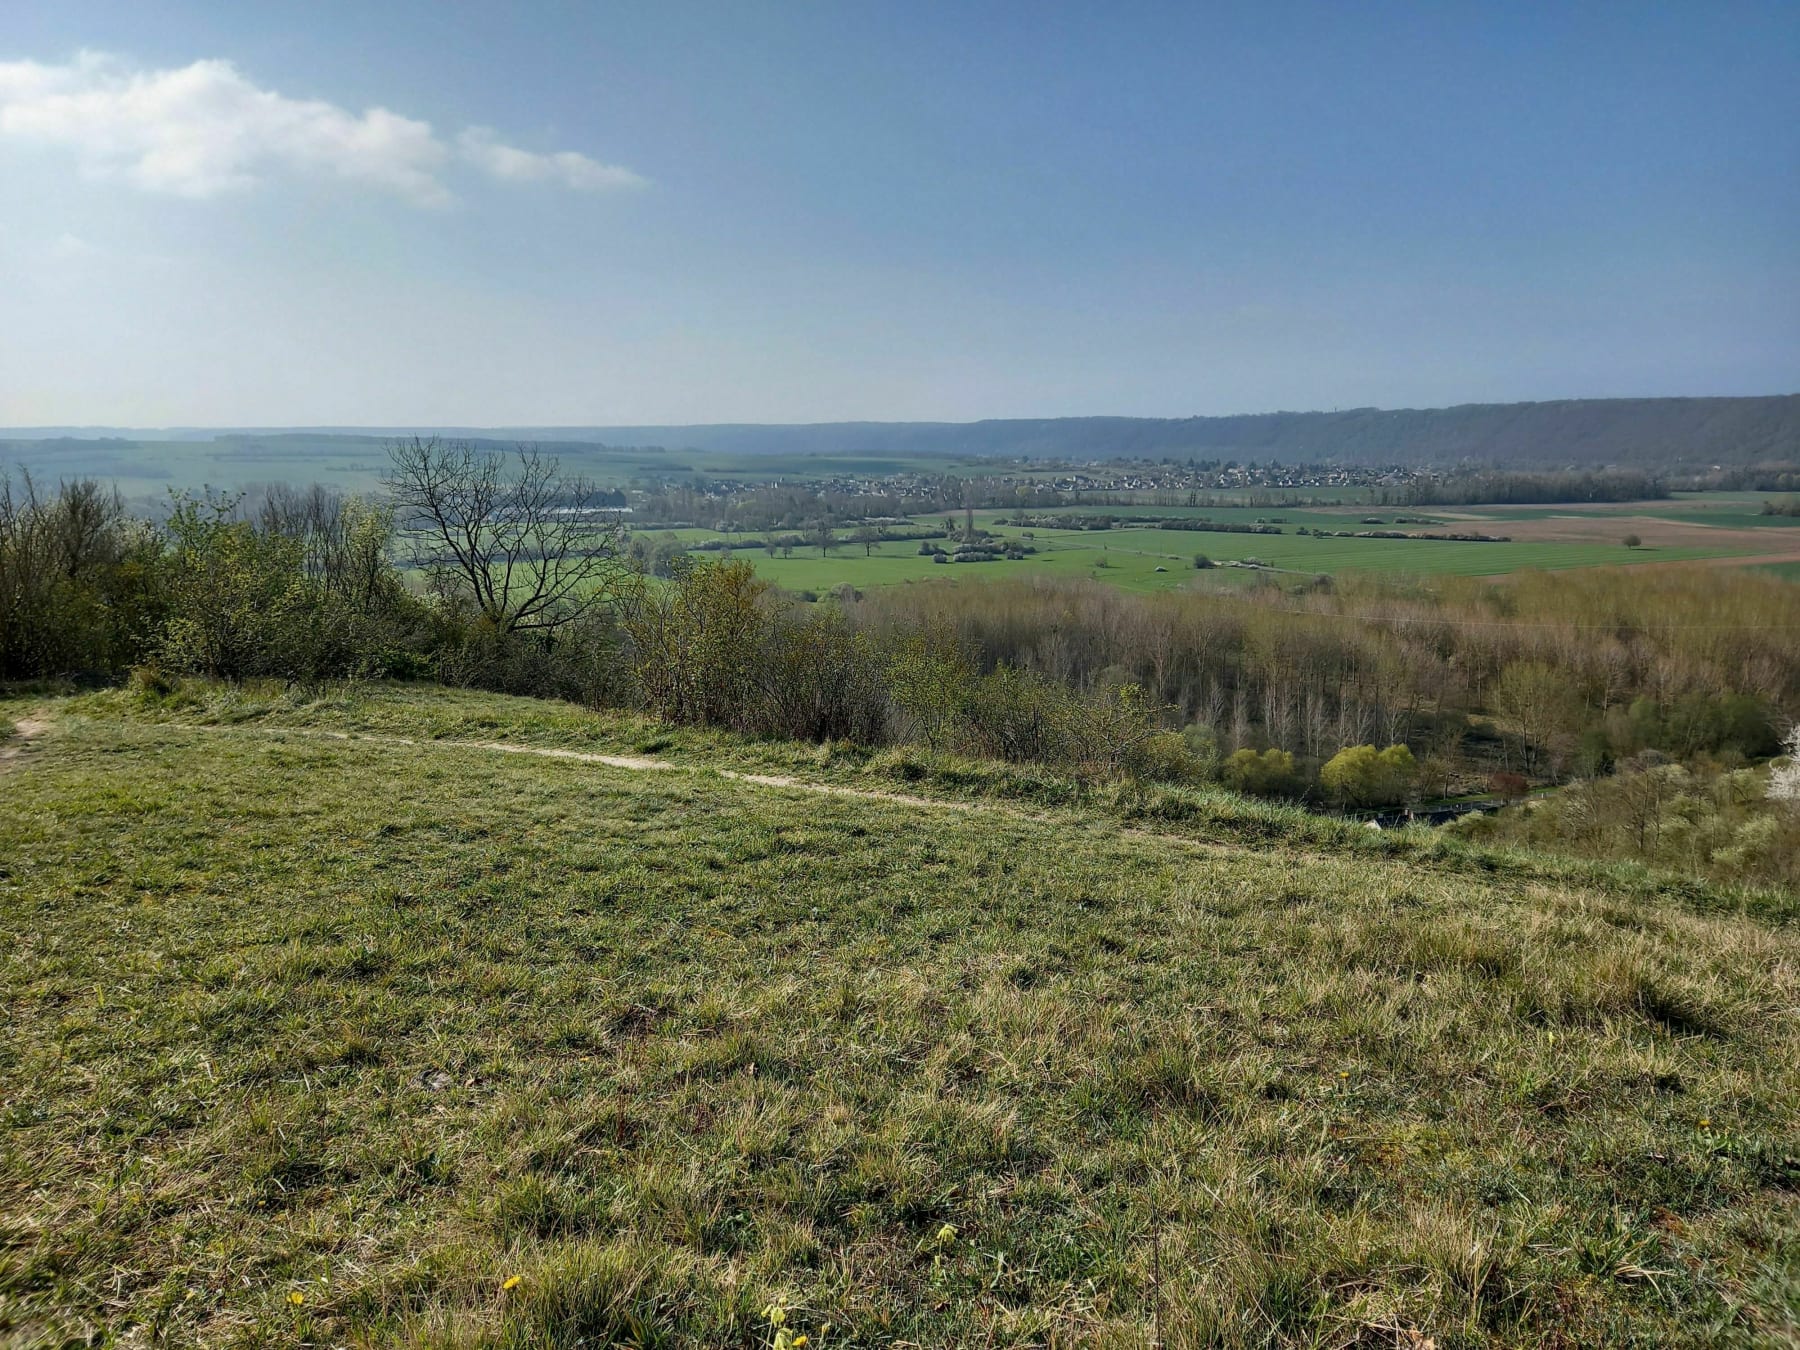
x=929, y=681
x=301, y=599
x=819, y=680
x=1167, y=758
x=1015, y=715
x=1269, y=774
x=80, y=583
x=695, y=642
x=1361, y=775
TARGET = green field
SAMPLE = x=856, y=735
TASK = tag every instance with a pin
x=1129, y=558
x=331, y=1023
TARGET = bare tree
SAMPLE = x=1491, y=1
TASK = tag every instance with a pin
x=345, y=542
x=530, y=547
x=312, y=516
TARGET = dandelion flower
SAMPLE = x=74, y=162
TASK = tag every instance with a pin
x=1704, y=1122
x=296, y=1298
x=799, y=1341
x=512, y=1282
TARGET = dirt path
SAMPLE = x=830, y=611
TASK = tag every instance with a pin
x=631, y=763
x=25, y=730
x=781, y=781
x=28, y=728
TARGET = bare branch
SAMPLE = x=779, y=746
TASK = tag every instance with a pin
x=530, y=548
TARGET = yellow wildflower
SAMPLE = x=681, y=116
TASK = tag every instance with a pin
x=296, y=1298
x=512, y=1282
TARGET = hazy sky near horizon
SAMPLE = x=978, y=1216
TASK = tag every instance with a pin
x=431, y=213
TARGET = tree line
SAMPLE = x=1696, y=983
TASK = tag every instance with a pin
x=488, y=571
x=1495, y=488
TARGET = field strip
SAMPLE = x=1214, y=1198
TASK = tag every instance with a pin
x=1657, y=564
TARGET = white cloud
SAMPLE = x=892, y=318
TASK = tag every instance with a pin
x=482, y=148
x=204, y=129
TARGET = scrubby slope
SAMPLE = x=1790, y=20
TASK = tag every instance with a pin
x=332, y=1031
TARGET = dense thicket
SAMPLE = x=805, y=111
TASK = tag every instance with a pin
x=1545, y=669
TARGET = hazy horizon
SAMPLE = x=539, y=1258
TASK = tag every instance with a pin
x=423, y=425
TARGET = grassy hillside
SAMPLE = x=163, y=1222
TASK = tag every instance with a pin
x=336, y=1023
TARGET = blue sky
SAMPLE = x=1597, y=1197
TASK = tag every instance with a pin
x=612, y=213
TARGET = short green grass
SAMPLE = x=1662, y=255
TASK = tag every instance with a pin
x=328, y=1026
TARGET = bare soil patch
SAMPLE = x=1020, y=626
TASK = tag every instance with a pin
x=1497, y=512
x=25, y=730
x=1653, y=530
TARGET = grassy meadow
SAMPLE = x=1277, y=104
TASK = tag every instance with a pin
x=334, y=1023
x=1151, y=559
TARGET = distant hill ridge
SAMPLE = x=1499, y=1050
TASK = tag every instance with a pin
x=1660, y=431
